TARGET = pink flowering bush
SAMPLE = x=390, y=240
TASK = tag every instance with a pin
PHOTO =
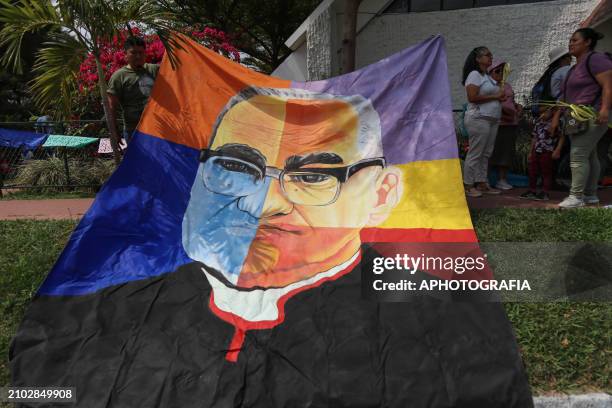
x=112, y=55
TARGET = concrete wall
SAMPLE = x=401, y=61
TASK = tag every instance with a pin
x=294, y=66
x=522, y=34
x=605, y=28
x=319, y=44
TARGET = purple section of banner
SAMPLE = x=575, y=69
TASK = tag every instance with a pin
x=411, y=92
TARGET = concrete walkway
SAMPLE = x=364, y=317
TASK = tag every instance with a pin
x=511, y=199
x=595, y=400
x=74, y=208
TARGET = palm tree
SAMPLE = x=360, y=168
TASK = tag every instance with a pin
x=74, y=29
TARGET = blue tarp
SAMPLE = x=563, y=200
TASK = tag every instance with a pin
x=21, y=139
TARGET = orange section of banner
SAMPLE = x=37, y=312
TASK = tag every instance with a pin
x=185, y=101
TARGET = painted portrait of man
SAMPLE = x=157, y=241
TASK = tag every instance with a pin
x=222, y=264
x=282, y=193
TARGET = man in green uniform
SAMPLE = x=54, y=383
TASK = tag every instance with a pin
x=129, y=87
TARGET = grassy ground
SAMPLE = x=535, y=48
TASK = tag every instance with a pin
x=566, y=346
x=29, y=249
x=545, y=225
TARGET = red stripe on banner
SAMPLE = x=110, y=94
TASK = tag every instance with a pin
x=242, y=325
x=417, y=235
x=235, y=345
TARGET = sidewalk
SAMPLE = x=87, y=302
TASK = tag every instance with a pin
x=511, y=199
x=75, y=208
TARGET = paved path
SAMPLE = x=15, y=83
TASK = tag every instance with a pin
x=76, y=207
x=511, y=199
x=73, y=208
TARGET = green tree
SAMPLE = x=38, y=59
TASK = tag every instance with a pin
x=258, y=28
x=16, y=104
x=74, y=28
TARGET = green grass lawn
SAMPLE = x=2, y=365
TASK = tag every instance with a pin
x=566, y=346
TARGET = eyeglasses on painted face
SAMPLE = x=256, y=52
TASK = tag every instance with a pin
x=236, y=177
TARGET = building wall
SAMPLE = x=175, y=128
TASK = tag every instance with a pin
x=605, y=44
x=522, y=34
x=319, y=47
x=294, y=66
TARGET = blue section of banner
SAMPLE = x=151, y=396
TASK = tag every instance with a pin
x=133, y=229
x=18, y=138
x=219, y=228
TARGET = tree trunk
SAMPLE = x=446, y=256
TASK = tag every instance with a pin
x=114, y=135
x=349, y=33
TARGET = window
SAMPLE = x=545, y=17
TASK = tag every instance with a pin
x=418, y=6
x=398, y=6
x=487, y=3
x=424, y=5
x=457, y=4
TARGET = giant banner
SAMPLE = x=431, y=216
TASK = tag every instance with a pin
x=221, y=264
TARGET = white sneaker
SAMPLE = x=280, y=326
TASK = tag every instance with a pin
x=593, y=199
x=571, y=202
x=503, y=185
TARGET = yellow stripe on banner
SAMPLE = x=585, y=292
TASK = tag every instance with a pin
x=433, y=197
